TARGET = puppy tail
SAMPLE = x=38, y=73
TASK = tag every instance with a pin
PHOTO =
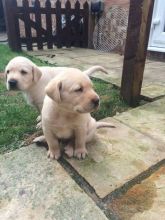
x=100, y=124
x=94, y=69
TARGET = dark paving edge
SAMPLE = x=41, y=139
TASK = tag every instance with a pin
x=136, y=180
x=148, y=99
x=102, y=203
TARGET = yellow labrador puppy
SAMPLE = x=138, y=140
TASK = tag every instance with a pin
x=66, y=113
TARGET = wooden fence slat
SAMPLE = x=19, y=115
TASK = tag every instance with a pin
x=26, y=16
x=67, y=33
x=39, y=24
x=77, y=24
x=140, y=16
x=58, y=24
x=48, y=24
x=12, y=25
x=85, y=25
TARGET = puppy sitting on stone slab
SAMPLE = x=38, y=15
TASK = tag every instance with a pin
x=66, y=113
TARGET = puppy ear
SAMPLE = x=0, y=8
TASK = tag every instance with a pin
x=53, y=90
x=36, y=73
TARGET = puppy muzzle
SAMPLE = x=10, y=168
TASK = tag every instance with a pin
x=95, y=102
x=13, y=84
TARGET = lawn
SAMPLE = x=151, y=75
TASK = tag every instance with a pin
x=18, y=120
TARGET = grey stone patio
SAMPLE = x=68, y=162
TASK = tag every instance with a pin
x=33, y=187
x=124, y=174
x=3, y=37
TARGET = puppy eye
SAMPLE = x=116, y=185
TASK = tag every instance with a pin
x=23, y=72
x=7, y=71
x=79, y=89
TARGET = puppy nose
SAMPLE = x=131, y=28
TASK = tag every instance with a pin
x=96, y=101
x=12, y=83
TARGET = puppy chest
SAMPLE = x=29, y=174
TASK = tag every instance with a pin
x=63, y=132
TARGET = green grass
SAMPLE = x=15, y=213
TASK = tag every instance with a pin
x=18, y=120
x=6, y=54
x=111, y=103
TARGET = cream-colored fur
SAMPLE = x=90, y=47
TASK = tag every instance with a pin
x=31, y=79
x=66, y=113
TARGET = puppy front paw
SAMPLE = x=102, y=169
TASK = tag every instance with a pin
x=54, y=154
x=80, y=153
x=40, y=139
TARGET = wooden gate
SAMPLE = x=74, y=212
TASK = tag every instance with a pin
x=33, y=25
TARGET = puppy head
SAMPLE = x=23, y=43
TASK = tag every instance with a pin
x=21, y=74
x=73, y=91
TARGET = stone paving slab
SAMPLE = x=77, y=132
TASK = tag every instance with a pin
x=154, y=73
x=60, y=60
x=113, y=61
x=148, y=119
x=144, y=201
x=116, y=156
x=153, y=90
x=34, y=188
x=3, y=37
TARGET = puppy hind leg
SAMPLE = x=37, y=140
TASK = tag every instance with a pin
x=40, y=139
x=91, y=130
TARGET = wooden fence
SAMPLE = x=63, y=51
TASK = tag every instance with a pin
x=70, y=27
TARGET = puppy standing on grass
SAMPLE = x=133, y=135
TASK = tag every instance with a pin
x=66, y=113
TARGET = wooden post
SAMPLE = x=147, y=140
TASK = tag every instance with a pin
x=140, y=16
x=12, y=25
